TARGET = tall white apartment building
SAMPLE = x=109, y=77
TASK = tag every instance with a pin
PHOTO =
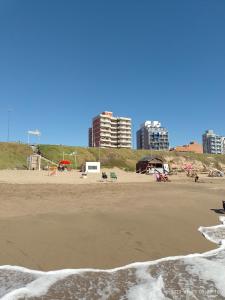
x=108, y=131
x=213, y=143
x=152, y=135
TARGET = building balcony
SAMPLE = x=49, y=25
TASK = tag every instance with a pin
x=124, y=134
x=103, y=143
x=113, y=121
x=105, y=130
x=105, y=120
x=105, y=125
x=128, y=127
x=122, y=128
x=124, y=121
x=123, y=141
x=105, y=135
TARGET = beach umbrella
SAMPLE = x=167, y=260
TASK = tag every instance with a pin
x=65, y=162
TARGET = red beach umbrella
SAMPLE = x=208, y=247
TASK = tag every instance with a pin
x=65, y=162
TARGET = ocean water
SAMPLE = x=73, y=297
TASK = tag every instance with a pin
x=195, y=276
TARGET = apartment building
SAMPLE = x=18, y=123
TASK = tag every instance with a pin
x=152, y=135
x=223, y=145
x=90, y=137
x=108, y=131
x=213, y=143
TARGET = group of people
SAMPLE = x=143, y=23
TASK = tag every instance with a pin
x=62, y=168
x=161, y=177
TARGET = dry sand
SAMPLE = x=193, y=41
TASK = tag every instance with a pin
x=54, y=222
x=73, y=177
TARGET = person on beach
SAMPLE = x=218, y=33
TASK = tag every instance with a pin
x=158, y=177
x=104, y=176
x=196, y=178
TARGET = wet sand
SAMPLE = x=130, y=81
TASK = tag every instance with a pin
x=104, y=225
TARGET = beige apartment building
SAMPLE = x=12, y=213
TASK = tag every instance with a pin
x=108, y=131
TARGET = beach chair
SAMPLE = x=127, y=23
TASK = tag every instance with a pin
x=113, y=176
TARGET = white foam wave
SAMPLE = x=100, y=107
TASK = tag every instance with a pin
x=200, y=275
x=148, y=288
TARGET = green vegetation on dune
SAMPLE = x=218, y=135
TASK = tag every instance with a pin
x=14, y=155
x=127, y=158
x=121, y=158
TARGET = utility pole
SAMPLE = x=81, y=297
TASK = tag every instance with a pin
x=8, y=133
x=75, y=158
x=99, y=152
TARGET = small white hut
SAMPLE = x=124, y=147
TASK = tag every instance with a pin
x=34, y=162
x=92, y=167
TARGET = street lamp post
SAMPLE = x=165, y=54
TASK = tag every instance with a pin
x=99, y=148
x=8, y=129
x=75, y=159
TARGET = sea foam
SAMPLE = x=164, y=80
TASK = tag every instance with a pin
x=194, y=276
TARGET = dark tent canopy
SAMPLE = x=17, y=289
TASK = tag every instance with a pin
x=148, y=162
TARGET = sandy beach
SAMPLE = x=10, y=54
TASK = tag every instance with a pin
x=49, y=223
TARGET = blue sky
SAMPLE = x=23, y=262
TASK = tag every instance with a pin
x=63, y=62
